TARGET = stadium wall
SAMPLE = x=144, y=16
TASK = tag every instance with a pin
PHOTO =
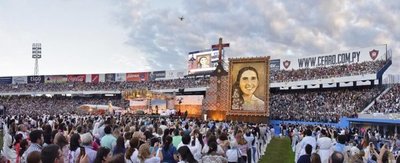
x=344, y=122
x=276, y=124
x=382, y=70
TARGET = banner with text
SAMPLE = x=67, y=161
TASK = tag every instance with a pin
x=275, y=64
x=76, y=78
x=102, y=78
x=56, y=79
x=110, y=78
x=5, y=80
x=88, y=78
x=95, y=78
x=139, y=76
x=20, y=80
x=157, y=75
x=120, y=77
x=372, y=53
x=35, y=79
x=175, y=74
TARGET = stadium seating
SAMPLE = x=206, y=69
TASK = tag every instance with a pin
x=321, y=105
x=388, y=103
x=106, y=86
x=30, y=105
x=368, y=67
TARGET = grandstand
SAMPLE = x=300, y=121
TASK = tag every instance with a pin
x=56, y=104
x=101, y=87
x=322, y=105
x=367, y=67
x=316, y=94
x=389, y=102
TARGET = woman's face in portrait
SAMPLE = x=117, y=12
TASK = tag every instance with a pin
x=248, y=82
x=203, y=61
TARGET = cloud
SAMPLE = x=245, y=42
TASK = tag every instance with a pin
x=254, y=28
x=146, y=35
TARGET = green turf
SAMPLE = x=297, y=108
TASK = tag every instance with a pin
x=278, y=151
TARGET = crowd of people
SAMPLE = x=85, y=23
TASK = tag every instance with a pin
x=119, y=139
x=323, y=144
x=31, y=105
x=327, y=105
x=367, y=67
x=388, y=103
x=322, y=105
x=106, y=86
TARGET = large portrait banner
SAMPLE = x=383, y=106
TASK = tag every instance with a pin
x=249, y=86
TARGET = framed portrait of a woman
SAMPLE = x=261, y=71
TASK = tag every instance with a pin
x=203, y=61
x=249, y=84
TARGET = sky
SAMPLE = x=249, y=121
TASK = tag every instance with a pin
x=114, y=36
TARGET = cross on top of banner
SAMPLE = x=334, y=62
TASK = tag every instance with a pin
x=220, y=46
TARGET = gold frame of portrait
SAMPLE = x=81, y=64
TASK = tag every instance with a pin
x=232, y=75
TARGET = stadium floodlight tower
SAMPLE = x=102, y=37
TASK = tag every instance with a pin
x=36, y=54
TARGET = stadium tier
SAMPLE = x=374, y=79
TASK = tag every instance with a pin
x=363, y=68
x=104, y=86
x=320, y=88
x=39, y=84
x=55, y=105
x=320, y=105
x=326, y=105
x=317, y=105
x=388, y=102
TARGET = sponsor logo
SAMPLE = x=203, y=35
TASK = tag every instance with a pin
x=137, y=76
x=56, y=79
x=19, y=80
x=95, y=78
x=110, y=77
x=141, y=76
x=5, y=80
x=132, y=75
x=374, y=54
x=80, y=78
x=120, y=77
x=286, y=64
x=275, y=64
x=160, y=75
x=35, y=79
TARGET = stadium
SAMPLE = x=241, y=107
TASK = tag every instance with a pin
x=343, y=92
x=199, y=81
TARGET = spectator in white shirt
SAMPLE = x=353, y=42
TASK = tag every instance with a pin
x=195, y=147
x=308, y=139
x=324, y=144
